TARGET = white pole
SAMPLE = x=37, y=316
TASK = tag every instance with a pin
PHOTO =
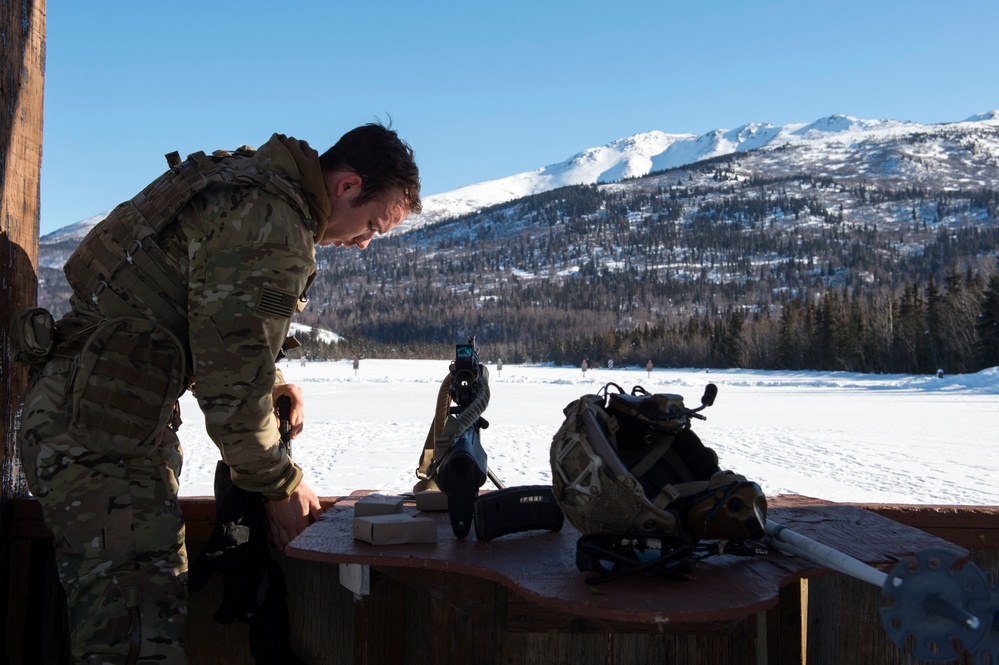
x=794, y=543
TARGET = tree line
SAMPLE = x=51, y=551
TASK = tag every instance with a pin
x=791, y=272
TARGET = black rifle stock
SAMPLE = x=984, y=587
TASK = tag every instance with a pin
x=460, y=474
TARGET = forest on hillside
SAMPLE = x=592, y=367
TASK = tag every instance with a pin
x=701, y=267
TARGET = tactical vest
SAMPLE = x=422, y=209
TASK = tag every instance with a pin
x=120, y=269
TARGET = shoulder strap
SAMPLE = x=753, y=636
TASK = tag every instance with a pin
x=119, y=267
x=430, y=444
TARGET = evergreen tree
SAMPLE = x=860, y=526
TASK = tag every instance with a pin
x=935, y=337
x=988, y=325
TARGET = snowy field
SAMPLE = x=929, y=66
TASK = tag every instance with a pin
x=836, y=436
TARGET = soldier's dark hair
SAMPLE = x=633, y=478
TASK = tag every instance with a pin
x=381, y=158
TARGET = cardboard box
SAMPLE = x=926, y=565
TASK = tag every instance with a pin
x=431, y=500
x=378, y=505
x=396, y=529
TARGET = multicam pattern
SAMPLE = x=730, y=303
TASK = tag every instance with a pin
x=240, y=255
x=593, y=498
x=119, y=533
x=692, y=498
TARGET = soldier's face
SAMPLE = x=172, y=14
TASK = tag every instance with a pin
x=355, y=226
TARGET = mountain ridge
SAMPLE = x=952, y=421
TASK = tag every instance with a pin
x=742, y=257
x=629, y=157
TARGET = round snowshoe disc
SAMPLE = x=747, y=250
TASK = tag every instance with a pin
x=987, y=652
x=929, y=600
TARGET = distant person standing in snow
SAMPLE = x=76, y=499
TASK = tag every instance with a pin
x=191, y=284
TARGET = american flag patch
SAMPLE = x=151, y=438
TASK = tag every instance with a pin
x=274, y=303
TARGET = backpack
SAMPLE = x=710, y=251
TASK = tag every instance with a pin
x=631, y=464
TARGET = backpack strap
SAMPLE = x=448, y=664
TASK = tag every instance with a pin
x=120, y=267
x=654, y=455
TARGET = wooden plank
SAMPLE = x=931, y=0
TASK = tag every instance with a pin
x=524, y=631
x=199, y=517
x=448, y=618
x=540, y=566
x=738, y=646
x=971, y=527
x=466, y=626
x=321, y=612
x=22, y=79
x=784, y=635
x=380, y=634
x=844, y=623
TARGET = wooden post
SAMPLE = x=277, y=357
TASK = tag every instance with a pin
x=22, y=26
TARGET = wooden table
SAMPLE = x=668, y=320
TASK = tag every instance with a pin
x=529, y=582
x=471, y=602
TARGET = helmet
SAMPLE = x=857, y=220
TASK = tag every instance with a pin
x=630, y=464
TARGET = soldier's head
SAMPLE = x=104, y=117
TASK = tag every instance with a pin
x=383, y=161
x=373, y=184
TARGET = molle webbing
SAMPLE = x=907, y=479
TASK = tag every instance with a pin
x=121, y=269
x=126, y=380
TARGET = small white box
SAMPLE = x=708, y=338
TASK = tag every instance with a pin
x=431, y=500
x=396, y=529
x=378, y=505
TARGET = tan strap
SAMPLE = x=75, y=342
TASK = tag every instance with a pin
x=436, y=427
x=653, y=456
x=444, y=428
x=670, y=493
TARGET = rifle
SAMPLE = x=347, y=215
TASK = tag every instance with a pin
x=284, y=421
x=462, y=468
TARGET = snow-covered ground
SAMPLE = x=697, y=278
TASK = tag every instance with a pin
x=837, y=436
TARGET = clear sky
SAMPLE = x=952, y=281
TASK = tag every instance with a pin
x=481, y=90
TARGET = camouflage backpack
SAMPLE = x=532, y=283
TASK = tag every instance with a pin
x=630, y=464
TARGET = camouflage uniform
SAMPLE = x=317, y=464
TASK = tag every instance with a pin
x=222, y=277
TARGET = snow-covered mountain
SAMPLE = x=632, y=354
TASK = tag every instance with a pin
x=54, y=248
x=640, y=154
x=740, y=220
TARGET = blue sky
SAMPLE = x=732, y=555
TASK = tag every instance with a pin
x=480, y=90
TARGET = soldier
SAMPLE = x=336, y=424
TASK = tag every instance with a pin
x=190, y=285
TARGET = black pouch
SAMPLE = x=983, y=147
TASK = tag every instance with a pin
x=645, y=418
x=32, y=335
x=129, y=375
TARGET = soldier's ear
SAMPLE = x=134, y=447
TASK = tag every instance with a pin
x=351, y=182
x=341, y=183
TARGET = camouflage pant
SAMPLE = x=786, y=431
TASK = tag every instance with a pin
x=119, y=531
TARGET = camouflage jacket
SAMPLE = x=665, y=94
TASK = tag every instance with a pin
x=244, y=256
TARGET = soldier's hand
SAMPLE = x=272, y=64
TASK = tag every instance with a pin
x=288, y=517
x=294, y=393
